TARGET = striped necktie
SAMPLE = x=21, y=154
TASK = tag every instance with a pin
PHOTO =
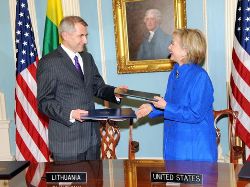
x=78, y=67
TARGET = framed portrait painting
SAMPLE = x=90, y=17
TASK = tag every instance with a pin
x=143, y=31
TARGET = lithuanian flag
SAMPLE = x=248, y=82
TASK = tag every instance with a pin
x=54, y=15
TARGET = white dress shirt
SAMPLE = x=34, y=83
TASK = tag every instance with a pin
x=151, y=35
x=72, y=55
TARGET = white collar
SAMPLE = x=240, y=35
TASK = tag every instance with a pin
x=69, y=52
x=151, y=32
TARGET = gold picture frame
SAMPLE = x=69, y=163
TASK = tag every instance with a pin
x=133, y=167
x=126, y=13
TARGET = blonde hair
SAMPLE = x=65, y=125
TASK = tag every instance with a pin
x=194, y=42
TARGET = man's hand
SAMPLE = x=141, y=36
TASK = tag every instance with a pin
x=76, y=114
x=119, y=90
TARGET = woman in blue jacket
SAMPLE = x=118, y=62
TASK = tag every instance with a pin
x=187, y=106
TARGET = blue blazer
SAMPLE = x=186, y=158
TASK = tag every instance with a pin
x=189, y=132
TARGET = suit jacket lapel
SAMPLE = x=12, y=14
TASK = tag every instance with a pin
x=85, y=67
x=68, y=62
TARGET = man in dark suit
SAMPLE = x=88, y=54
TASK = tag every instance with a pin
x=155, y=42
x=67, y=82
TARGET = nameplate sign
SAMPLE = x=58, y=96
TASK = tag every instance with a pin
x=187, y=178
x=76, y=177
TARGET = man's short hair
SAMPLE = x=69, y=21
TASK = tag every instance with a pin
x=67, y=24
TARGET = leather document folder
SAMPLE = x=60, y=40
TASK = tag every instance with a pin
x=109, y=113
x=138, y=94
x=9, y=169
x=245, y=171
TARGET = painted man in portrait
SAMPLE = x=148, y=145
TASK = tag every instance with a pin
x=155, y=42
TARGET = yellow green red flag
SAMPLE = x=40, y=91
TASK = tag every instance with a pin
x=54, y=15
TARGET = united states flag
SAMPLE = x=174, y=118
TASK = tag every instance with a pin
x=240, y=77
x=35, y=174
x=31, y=126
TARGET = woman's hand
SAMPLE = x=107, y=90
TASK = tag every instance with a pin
x=143, y=110
x=160, y=103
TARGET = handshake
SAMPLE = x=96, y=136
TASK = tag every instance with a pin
x=144, y=109
x=120, y=92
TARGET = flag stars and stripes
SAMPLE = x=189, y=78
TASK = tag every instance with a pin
x=22, y=5
x=241, y=54
x=242, y=25
x=26, y=34
x=247, y=19
x=22, y=61
x=19, y=23
x=31, y=129
x=27, y=26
